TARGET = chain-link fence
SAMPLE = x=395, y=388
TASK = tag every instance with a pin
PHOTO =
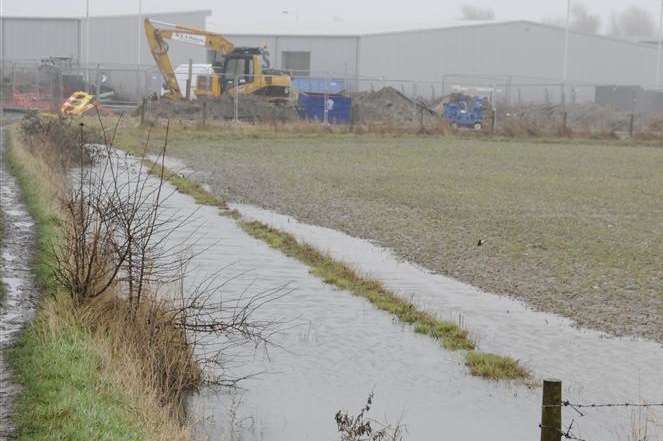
x=509, y=104
x=44, y=85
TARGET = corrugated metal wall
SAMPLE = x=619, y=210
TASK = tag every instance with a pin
x=27, y=39
x=528, y=52
x=113, y=45
x=114, y=39
x=512, y=54
x=330, y=56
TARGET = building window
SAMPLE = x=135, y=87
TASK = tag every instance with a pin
x=299, y=63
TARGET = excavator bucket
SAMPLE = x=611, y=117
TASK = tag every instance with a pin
x=77, y=104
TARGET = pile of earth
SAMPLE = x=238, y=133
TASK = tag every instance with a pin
x=388, y=105
x=250, y=108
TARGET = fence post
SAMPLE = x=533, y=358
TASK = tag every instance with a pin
x=631, y=125
x=204, y=113
x=189, y=78
x=236, y=101
x=97, y=77
x=551, y=411
x=13, y=81
x=565, y=123
x=142, y=112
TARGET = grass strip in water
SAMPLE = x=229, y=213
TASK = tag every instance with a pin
x=495, y=367
x=184, y=185
x=450, y=335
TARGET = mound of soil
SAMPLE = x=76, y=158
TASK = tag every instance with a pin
x=250, y=108
x=388, y=105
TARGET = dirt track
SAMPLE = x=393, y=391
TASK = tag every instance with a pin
x=18, y=306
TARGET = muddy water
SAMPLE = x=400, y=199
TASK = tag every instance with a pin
x=17, y=308
x=346, y=348
x=593, y=366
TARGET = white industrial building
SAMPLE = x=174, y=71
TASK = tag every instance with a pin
x=518, y=59
x=116, y=44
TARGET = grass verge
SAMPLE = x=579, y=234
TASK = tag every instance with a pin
x=81, y=376
x=450, y=335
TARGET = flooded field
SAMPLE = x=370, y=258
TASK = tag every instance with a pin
x=18, y=305
x=337, y=348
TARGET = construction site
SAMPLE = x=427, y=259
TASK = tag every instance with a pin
x=337, y=79
x=241, y=233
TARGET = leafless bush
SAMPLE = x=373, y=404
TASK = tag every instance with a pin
x=361, y=428
x=115, y=261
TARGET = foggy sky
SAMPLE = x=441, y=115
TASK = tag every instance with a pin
x=327, y=16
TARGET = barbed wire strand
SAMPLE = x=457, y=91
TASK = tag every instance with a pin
x=602, y=405
x=566, y=435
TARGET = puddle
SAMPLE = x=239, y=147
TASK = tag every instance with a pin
x=345, y=348
x=593, y=366
x=18, y=306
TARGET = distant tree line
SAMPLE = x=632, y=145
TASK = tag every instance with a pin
x=632, y=21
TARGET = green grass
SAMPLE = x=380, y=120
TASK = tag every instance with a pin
x=494, y=367
x=65, y=397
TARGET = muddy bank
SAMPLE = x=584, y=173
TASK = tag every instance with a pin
x=386, y=106
x=390, y=106
x=249, y=108
x=19, y=303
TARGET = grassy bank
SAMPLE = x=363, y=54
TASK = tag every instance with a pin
x=570, y=226
x=81, y=374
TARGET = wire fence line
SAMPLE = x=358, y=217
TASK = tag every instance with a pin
x=552, y=406
x=517, y=104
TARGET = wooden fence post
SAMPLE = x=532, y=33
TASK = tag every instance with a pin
x=631, y=125
x=204, y=108
x=551, y=411
x=142, y=112
x=189, y=80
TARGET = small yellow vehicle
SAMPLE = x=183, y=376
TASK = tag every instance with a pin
x=77, y=104
x=243, y=70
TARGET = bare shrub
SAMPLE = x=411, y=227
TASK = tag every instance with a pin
x=114, y=261
x=362, y=428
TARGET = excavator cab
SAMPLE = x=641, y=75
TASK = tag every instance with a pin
x=248, y=71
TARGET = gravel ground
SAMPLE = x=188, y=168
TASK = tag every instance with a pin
x=571, y=228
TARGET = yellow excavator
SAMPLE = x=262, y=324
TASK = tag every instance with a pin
x=243, y=70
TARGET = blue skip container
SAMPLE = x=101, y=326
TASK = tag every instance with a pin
x=311, y=107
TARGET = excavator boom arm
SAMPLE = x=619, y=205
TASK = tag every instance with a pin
x=157, y=36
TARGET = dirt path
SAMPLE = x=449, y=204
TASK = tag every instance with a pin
x=18, y=306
